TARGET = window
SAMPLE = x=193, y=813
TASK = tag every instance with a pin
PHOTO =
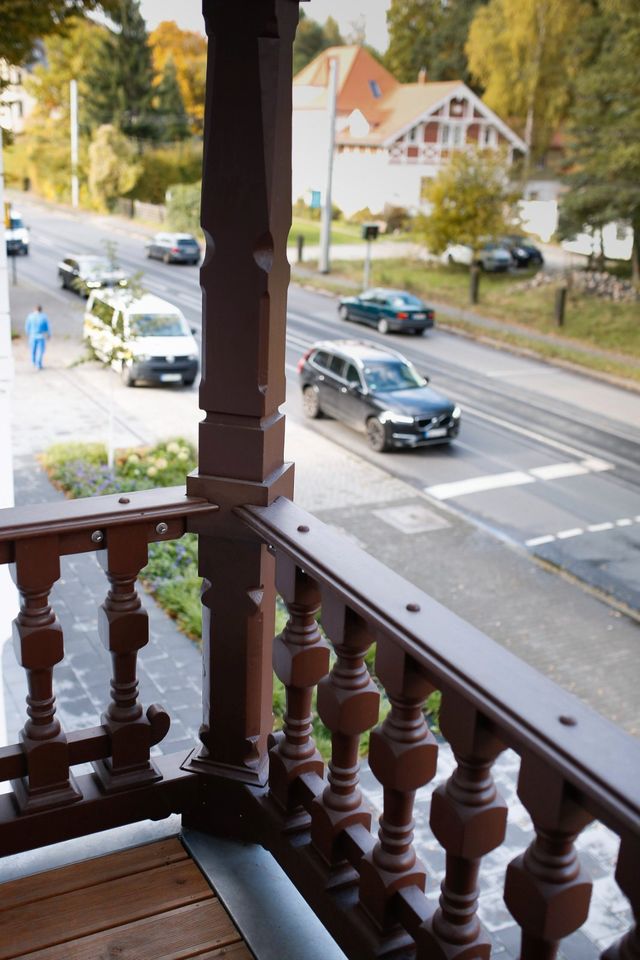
x=490, y=137
x=351, y=374
x=337, y=366
x=375, y=88
x=321, y=359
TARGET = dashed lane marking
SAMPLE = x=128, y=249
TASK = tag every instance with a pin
x=515, y=478
x=579, y=531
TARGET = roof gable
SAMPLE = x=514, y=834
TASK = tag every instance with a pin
x=362, y=81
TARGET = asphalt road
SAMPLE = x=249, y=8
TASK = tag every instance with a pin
x=546, y=459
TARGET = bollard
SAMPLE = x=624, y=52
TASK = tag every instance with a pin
x=474, y=283
x=560, y=304
x=300, y=248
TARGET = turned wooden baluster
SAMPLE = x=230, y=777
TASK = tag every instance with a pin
x=300, y=660
x=403, y=755
x=468, y=818
x=348, y=705
x=39, y=645
x=546, y=889
x=628, y=878
x=123, y=627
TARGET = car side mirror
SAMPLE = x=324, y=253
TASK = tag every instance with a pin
x=355, y=387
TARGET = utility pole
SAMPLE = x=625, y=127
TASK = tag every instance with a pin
x=325, y=230
x=73, y=104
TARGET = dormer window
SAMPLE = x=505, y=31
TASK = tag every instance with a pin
x=375, y=88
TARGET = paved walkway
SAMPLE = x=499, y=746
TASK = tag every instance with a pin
x=555, y=625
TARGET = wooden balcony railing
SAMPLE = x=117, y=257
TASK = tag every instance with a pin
x=32, y=540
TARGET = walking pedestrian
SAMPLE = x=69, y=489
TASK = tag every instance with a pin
x=38, y=331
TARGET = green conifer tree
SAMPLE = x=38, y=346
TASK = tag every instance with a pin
x=171, y=116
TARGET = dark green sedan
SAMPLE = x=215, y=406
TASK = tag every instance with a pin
x=389, y=311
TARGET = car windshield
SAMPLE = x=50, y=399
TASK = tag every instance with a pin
x=158, y=325
x=405, y=300
x=187, y=242
x=87, y=267
x=16, y=223
x=386, y=375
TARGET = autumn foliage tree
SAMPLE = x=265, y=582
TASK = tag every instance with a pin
x=188, y=52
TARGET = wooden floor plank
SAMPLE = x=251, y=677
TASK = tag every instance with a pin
x=236, y=951
x=79, y=913
x=79, y=876
x=175, y=935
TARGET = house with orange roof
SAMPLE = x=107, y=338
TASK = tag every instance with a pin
x=390, y=136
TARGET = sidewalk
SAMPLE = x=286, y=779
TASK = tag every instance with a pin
x=555, y=626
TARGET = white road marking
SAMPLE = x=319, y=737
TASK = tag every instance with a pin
x=492, y=481
x=596, y=465
x=555, y=471
x=578, y=531
x=567, y=534
x=523, y=431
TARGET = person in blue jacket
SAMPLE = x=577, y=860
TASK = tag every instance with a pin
x=38, y=331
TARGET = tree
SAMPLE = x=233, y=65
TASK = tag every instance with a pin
x=171, y=117
x=312, y=38
x=113, y=169
x=604, y=131
x=521, y=52
x=430, y=35
x=121, y=80
x=188, y=50
x=470, y=200
x=24, y=22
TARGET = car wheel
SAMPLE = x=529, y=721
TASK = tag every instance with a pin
x=343, y=312
x=421, y=332
x=127, y=379
x=194, y=263
x=311, y=403
x=166, y=258
x=63, y=283
x=377, y=435
x=188, y=381
x=383, y=326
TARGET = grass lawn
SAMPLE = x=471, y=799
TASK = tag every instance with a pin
x=589, y=321
x=341, y=232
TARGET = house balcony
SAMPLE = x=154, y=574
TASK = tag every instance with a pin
x=246, y=800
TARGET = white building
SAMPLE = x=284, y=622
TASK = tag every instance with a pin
x=15, y=103
x=390, y=136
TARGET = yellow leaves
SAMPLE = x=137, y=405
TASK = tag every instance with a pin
x=188, y=50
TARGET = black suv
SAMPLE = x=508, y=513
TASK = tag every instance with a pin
x=377, y=391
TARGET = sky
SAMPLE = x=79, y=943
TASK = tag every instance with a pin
x=188, y=15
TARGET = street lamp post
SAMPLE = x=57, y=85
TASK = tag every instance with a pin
x=325, y=230
x=73, y=112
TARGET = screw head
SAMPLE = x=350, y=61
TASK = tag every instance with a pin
x=413, y=607
x=567, y=721
x=124, y=500
x=97, y=536
x=303, y=528
x=161, y=527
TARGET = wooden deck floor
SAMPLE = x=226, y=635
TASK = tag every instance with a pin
x=148, y=903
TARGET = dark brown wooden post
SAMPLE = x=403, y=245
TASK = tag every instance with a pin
x=469, y=819
x=246, y=216
x=546, y=889
x=627, y=870
x=348, y=702
x=39, y=645
x=403, y=755
x=123, y=627
x=301, y=660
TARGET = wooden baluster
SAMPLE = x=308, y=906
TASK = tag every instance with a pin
x=627, y=872
x=546, y=890
x=123, y=627
x=402, y=755
x=39, y=645
x=468, y=818
x=301, y=660
x=348, y=703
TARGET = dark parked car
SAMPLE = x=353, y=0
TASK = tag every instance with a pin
x=376, y=391
x=174, y=248
x=524, y=253
x=388, y=311
x=86, y=273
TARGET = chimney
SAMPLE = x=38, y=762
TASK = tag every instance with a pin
x=422, y=75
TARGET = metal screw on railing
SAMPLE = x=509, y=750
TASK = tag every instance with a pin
x=124, y=500
x=567, y=721
x=97, y=536
x=162, y=527
x=303, y=528
x=413, y=607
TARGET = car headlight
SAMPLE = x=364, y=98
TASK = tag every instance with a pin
x=93, y=284
x=141, y=357
x=456, y=413
x=388, y=416
x=193, y=356
x=123, y=282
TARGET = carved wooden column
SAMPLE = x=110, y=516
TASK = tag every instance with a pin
x=123, y=627
x=469, y=819
x=627, y=876
x=348, y=703
x=402, y=755
x=39, y=645
x=246, y=216
x=546, y=889
x=301, y=660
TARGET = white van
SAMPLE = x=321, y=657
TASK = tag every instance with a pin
x=145, y=338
